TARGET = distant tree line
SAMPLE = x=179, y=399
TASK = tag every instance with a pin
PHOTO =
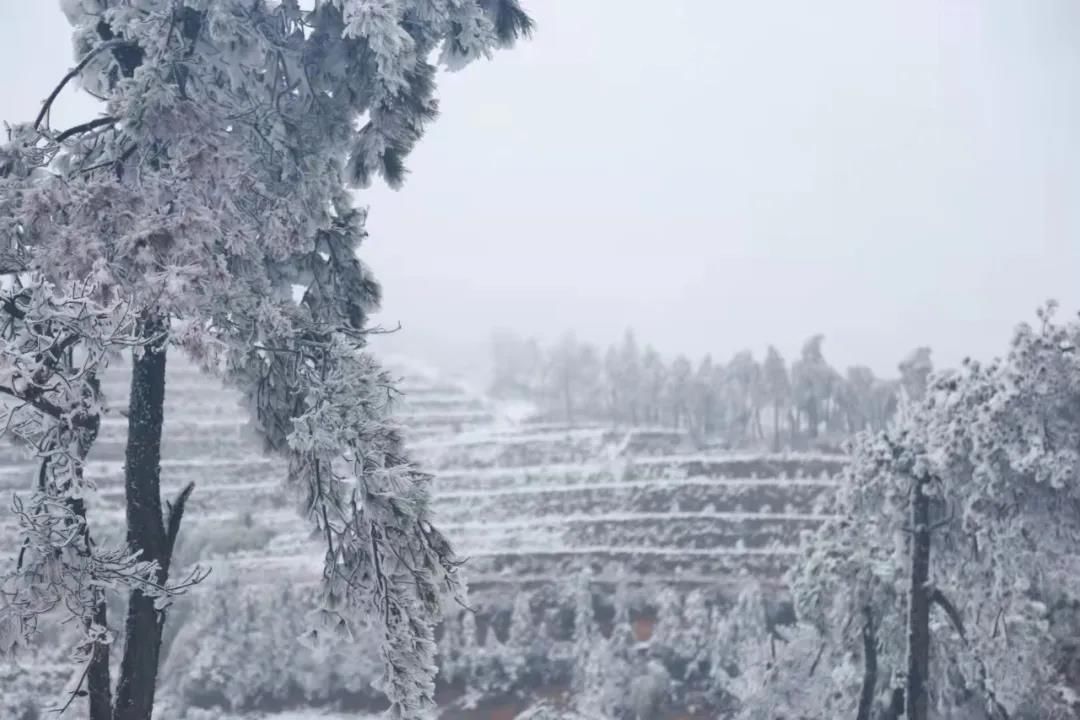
x=742, y=403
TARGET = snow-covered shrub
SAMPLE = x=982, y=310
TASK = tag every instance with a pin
x=247, y=648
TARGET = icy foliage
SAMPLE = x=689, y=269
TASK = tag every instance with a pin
x=546, y=711
x=616, y=677
x=228, y=657
x=56, y=339
x=517, y=646
x=999, y=444
x=789, y=676
x=215, y=184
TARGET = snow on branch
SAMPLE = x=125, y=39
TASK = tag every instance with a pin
x=53, y=348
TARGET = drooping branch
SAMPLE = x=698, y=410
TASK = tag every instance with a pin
x=938, y=598
x=510, y=21
x=382, y=555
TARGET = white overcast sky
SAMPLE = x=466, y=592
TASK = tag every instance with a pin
x=721, y=174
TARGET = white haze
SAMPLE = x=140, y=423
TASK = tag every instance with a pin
x=724, y=175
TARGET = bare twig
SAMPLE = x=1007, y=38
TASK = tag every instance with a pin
x=47, y=105
x=86, y=127
x=938, y=598
x=176, y=514
x=817, y=659
x=77, y=692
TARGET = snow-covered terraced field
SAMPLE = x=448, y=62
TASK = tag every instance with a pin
x=519, y=502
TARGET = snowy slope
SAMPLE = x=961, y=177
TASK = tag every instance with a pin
x=529, y=506
x=512, y=498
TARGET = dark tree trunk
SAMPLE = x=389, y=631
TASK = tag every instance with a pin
x=919, y=604
x=568, y=402
x=145, y=524
x=870, y=669
x=97, y=676
x=776, y=427
x=707, y=429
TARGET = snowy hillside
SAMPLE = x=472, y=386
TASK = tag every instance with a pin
x=534, y=509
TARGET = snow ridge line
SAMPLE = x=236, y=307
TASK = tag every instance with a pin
x=636, y=551
x=661, y=483
x=556, y=520
x=114, y=468
x=455, y=474
x=315, y=560
x=611, y=518
x=279, y=518
x=732, y=584
x=486, y=437
x=104, y=468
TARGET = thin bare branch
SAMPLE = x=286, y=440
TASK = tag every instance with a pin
x=74, y=72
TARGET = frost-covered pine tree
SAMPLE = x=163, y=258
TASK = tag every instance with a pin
x=669, y=627
x=957, y=531
x=208, y=209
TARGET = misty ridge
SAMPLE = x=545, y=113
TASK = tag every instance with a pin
x=741, y=404
x=304, y=420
